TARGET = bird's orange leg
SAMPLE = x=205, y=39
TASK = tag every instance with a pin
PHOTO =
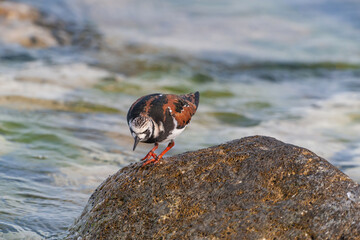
x=157, y=158
x=151, y=153
x=171, y=144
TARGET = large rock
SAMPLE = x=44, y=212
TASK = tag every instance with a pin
x=252, y=188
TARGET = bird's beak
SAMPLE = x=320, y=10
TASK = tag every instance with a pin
x=137, y=140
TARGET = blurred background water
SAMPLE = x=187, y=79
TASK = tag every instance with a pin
x=286, y=69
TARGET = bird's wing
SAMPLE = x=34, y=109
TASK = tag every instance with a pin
x=180, y=108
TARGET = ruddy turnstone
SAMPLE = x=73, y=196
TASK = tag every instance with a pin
x=158, y=118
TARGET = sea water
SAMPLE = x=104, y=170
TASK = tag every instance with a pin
x=290, y=70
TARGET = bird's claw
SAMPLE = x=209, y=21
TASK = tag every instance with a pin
x=155, y=159
x=149, y=155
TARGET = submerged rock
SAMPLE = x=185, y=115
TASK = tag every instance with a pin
x=18, y=26
x=251, y=188
x=30, y=27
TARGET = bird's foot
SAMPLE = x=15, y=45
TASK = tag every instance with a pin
x=151, y=153
x=154, y=160
x=149, y=156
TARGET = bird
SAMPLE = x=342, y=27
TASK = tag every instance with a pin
x=160, y=118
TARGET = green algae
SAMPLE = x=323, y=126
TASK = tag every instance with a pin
x=298, y=66
x=113, y=86
x=258, y=105
x=7, y=127
x=157, y=66
x=217, y=94
x=355, y=117
x=235, y=119
x=43, y=141
x=86, y=107
x=180, y=89
x=31, y=137
x=80, y=106
x=201, y=78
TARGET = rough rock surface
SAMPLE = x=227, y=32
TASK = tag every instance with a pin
x=251, y=188
x=31, y=28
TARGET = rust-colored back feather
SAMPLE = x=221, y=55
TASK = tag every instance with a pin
x=182, y=107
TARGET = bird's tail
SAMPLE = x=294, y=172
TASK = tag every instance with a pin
x=193, y=97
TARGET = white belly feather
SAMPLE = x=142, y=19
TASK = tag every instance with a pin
x=175, y=132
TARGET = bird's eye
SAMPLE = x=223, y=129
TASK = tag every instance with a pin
x=146, y=132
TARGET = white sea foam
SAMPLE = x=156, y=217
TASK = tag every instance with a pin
x=20, y=234
x=6, y=146
x=323, y=127
x=36, y=80
x=85, y=177
x=270, y=30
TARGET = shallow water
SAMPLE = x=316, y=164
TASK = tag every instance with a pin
x=286, y=70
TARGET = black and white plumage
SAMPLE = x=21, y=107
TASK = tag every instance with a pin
x=157, y=118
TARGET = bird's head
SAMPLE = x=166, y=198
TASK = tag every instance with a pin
x=141, y=129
